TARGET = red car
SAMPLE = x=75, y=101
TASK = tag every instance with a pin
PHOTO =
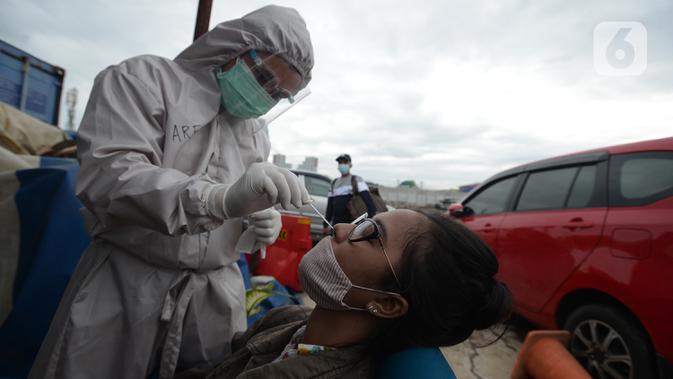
x=585, y=243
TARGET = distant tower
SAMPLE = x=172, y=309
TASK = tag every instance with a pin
x=309, y=164
x=279, y=160
x=71, y=102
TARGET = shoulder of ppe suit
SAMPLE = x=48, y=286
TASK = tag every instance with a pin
x=148, y=71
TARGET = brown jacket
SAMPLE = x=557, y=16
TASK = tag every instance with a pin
x=255, y=350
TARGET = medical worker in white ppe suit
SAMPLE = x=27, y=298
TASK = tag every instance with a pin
x=172, y=161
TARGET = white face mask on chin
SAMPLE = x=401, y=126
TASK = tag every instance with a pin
x=324, y=281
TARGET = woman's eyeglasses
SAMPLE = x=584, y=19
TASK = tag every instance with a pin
x=367, y=229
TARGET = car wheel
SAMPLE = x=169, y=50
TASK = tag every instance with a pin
x=609, y=343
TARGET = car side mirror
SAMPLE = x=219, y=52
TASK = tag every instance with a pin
x=458, y=210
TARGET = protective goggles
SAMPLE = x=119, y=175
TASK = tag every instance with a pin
x=268, y=80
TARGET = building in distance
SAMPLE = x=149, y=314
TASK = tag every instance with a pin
x=279, y=160
x=309, y=164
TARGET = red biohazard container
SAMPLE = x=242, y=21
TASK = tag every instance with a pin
x=283, y=257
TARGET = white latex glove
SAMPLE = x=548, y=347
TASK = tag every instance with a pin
x=262, y=186
x=267, y=224
x=263, y=230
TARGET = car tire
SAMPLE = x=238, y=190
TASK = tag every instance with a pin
x=610, y=343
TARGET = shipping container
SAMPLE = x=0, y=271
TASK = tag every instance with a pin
x=30, y=84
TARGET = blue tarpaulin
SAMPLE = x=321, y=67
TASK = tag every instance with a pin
x=52, y=238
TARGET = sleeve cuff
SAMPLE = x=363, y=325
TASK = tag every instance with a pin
x=215, y=202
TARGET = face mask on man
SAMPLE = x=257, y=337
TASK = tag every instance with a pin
x=343, y=168
x=323, y=279
x=242, y=95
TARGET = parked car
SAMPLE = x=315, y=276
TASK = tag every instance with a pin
x=318, y=187
x=444, y=203
x=585, y=243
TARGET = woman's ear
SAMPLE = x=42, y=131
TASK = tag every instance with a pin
x=389, y=306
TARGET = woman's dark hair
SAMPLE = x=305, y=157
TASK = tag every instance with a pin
x=447, y=276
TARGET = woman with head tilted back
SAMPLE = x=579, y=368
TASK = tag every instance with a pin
x=401, y=279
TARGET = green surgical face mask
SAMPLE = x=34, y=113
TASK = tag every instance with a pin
x=242, y=95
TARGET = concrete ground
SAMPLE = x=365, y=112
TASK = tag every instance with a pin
x=476, y=358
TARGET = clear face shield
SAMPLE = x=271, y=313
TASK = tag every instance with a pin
x=261, y=86
x=283, y=106
x=280, y=79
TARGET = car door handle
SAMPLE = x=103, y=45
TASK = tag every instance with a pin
x=488, y=228
x=578, y=223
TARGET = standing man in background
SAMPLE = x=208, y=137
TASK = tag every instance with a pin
x=342, y=191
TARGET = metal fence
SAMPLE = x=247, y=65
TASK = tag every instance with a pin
x=417, y=197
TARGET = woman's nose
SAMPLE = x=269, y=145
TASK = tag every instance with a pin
x=341, y=232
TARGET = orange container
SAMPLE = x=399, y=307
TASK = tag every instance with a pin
x=543, y=355
x=283, y=257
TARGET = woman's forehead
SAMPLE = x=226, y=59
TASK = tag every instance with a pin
x=397, y=216
x=396, y=224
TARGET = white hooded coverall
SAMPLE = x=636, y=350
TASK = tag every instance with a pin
x=159, y=284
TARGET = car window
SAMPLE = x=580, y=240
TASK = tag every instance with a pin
x=493, y=199
x=316, y=186
x=640, y=178
x=583, y=188
x=546, y=189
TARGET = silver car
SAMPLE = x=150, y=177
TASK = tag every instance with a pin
x=318, y=187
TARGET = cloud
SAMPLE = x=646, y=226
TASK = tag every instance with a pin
x=446, y=93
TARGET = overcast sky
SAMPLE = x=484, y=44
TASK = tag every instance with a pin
x=442, y=92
